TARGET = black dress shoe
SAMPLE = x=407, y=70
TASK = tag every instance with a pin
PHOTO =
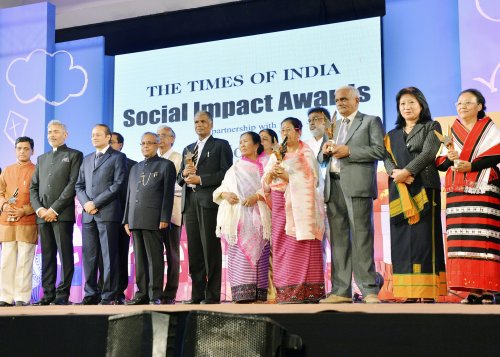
x=90, y=300
x=192, y=302
x=4, y=304
x=155, y=302
x=138, y=301
x=167, y=301
x=120, y=301
x=209, y=302
x=106, y=302
x=60, y=301
x=44, y=301
x=22, y=303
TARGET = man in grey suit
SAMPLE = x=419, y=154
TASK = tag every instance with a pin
x=52, y=196
x=350, y=188
x=148, y=211
x=98, y=188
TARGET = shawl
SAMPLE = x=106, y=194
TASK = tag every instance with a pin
x=482, y=141
x=249, y=227
x=304, y=207
x=405, y=201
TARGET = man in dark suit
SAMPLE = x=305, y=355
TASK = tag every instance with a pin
x=150, y=198
x=52, y=196
x=117, y=142
x=350, y=188
x=199, y=177
x=98, y=189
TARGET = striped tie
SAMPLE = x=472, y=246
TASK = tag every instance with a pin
x=195, y=154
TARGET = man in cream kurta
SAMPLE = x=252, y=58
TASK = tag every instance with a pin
x=173, y=234
x=18, y=230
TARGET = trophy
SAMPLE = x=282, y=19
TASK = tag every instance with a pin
x=188, y=158
x=12, y=200
x=281, y=149
x=447, y=141
x=330, y=129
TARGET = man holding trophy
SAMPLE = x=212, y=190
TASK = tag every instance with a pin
x=18, y=231
x=202, y=171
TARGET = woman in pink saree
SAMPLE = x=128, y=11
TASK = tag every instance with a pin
x=290, y=183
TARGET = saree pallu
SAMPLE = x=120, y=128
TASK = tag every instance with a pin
x=417, y=251
x=297, y=264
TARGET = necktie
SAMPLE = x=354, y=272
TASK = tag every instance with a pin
x=97, y=157
x=195, y=155
x=343, y=131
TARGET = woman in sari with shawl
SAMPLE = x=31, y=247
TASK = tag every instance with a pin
x=244, y=221
x=290, y=183
x=417, y=251
x=472, y=162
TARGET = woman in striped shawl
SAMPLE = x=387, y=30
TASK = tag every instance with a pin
x=472, y=163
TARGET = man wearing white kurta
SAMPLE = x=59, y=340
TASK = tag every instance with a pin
x=173, y=234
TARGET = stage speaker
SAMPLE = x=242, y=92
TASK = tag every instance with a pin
x=144, y=334
x=220, y=334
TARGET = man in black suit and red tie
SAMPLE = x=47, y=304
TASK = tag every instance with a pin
x=52, y=196
x=148, y=211
x=98, y=188
x=208, y=159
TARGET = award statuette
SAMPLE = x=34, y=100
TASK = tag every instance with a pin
x=280, y=149
x=188, y=158
x=447, y=141
x=12, y=200
x=330, y=129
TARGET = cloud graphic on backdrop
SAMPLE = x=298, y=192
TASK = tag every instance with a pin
x=485, y=9
x=26, y=76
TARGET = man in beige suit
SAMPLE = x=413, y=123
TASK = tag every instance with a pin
x=173, y=234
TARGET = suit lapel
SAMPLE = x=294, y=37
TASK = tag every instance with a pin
x=357, y=121
x=206, y=149
x=415, y=130
x=103, y=158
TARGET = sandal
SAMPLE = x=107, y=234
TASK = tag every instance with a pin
x=410, y=301
x=472, y=299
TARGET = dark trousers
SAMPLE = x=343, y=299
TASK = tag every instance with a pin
x=123, y=248
x=172, y=237
x=100, y=239
x=204, y=249
x=149, y=264
x=57, y=237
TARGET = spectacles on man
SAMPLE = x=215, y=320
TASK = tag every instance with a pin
x=316, y=120
x=464, y=104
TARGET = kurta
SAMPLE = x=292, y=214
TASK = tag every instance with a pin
x=472, y=208
x=18, y=176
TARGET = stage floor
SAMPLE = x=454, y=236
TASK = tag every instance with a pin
x=387, y=329
x=258, y=309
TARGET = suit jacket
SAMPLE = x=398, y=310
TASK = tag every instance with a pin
x=150, y=194
x=358, y=172
x=102, y=184
x=53, y=183
x=423, y=145
x=215, y=159
x=176, y=159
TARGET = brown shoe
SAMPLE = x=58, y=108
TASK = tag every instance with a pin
x=371, y=299
x=336, y=299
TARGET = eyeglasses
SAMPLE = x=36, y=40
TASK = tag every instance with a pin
x=316, y=120
x=464, y=104
x=164, y=136
x=114, y=142
x=147, y=143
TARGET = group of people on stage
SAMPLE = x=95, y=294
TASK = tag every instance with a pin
x=272, y=206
